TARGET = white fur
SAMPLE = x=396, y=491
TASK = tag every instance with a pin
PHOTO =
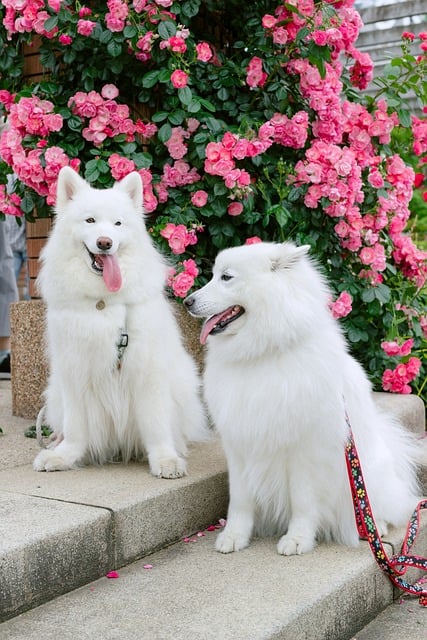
x=97, y=410
x=276, y=380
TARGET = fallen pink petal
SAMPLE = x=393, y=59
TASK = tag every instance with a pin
x=112, y=575
x=148, y=566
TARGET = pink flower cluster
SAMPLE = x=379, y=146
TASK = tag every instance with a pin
x=181, y=282
x=32, y=116
x=255, y=76
x=9, y=203
x=106, y=117
x=397, y=380
x=36, y=167
x=115, y=19
x=338, y=34
x=332, y=173
x=393, y=348
x=342, y=305
x=25, y=16
x=419, y=130
x=176, y=145
x=178, y=237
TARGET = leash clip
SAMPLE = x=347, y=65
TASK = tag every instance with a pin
x=121, y=346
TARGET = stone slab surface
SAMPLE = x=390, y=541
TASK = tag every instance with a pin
x=192, y=592
x=402, y=620
x=61, y=530
x=48, y=547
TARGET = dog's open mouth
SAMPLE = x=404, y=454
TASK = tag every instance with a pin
x=107, y=265
x=217, y=323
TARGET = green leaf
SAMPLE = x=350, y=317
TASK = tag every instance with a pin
x=201, y=137
x=114, y=48
x=280, y=213
x=185, y=95
x=194, y=106
x=190, y=8
x=105, y=36
x=27, y=203
x=177, y=117
x=223, y=94
x=207, y=105
x=404, y=117
x=150, y=79
x=142, y=160
x=382, y=293
x=166, y=29
x=159, y=116
x=165, y=132
x=130, y=31
x=91, y=170
x=164, y=75
x=74, y=123
x=357, y=335
x=368, y=295
x=220, y=189
x=50, y=23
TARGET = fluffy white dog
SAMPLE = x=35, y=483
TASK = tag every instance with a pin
x=278, y=379
x=120, y=379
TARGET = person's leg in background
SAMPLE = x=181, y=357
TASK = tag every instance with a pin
x=8, y=294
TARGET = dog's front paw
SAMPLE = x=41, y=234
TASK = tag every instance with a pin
x=228, y=541
x=168, y=467
x=50, y=460
x=289, y=545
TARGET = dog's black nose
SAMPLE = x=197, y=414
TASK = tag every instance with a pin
x=189, y=301
x=104, y=243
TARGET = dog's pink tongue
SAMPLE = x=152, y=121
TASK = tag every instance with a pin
x=111, y=272
x=208, y=326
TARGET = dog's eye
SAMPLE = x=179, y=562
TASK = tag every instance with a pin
x=226, y=277
x=90, y=220
x=118, y=223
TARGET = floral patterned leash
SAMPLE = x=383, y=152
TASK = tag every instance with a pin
x=396, y=566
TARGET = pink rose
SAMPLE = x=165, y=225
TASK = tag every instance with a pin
x=199, y=198
x=342, y=305
x=179, y=79
x=204, y=52
x=109, y=91
x=268, y=21
x=235, y=208
x=65, y=40
x=182, y=283
x=85, y=27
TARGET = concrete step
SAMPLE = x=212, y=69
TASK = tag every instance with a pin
x=190, y=592
x=61, y=531
x=402, y=620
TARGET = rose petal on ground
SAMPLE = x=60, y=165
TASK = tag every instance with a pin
x=112, y=575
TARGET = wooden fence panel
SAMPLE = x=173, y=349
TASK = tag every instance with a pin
x=381, y=35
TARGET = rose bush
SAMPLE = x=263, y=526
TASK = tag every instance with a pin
x=240, y=129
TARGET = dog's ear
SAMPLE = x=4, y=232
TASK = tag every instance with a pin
x=287, y=255
x=69, y=182
x=132, y=186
